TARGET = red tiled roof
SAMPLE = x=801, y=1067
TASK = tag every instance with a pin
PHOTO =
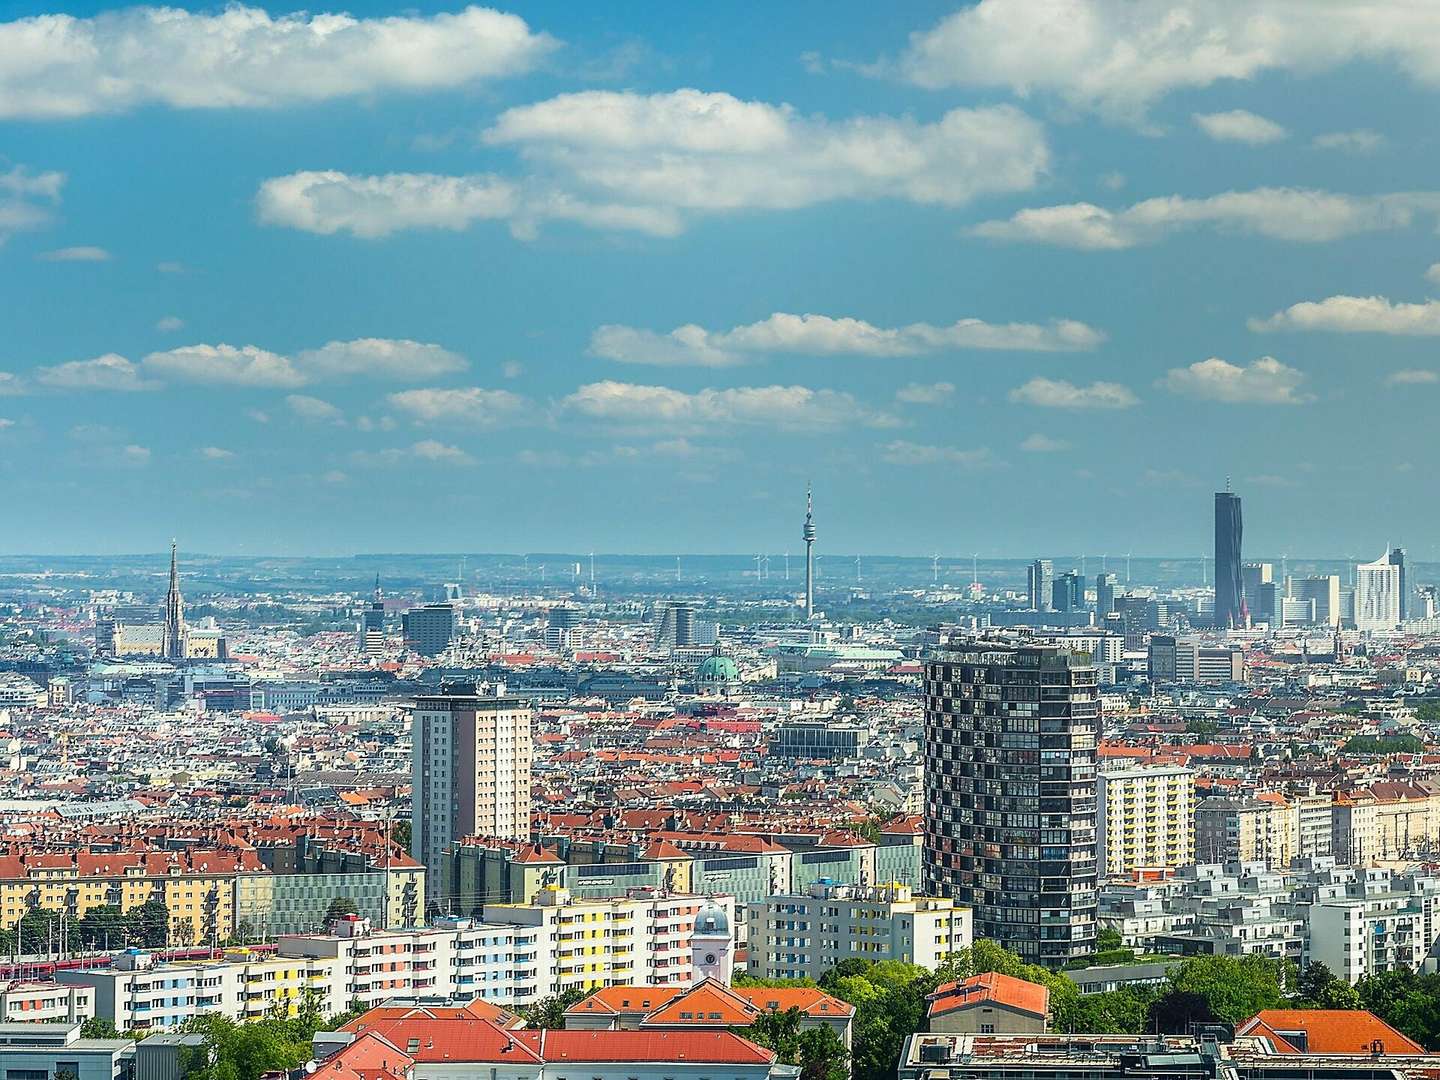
x=1332, y=1031
x=709, y=1047
x=990, y=986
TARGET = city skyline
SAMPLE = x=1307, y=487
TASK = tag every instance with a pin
x=356, y=288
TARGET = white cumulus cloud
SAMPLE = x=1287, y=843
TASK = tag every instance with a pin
x=469, y=405
x=1266, y=381
x=822, y=335
x=1238, y=125
x=650, y=163
x=379, y=358
x=1357, y=315
x=216, y=453
x=226, y=365
x=1118, y=56
x=373, y=206
x=1060, y=394
x=108, y=372
x=27, y=199
x=1299, y=215
x=316, y=410
x=793, y=407
x=62, y=66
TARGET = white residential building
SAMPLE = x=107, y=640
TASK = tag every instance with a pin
x=1377, y=594
x=1146, y=818
x=26, y=1001
x=799, y=936
x=641, y=939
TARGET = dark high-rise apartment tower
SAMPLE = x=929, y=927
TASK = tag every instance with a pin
x=1104, y=596
x=1068, y=593
x=1010, y=735
x=1397, y=558
x=1229, y=582
x=1039, y=582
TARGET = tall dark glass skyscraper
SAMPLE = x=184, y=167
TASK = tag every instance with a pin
x=1229, y=582
x=1010, y=735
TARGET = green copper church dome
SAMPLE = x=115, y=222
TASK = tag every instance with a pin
x=717, y=669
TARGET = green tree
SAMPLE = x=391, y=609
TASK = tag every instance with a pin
x=1406, y=1001
x=819, y=1052
x=400, y=833
x=550, y=1012
x=1108, y=939
x=150, y=924
x=354, y=1011
x=1234, y=988
x=104, y=926
x=339, y=908
x=99, y=1027
x=1320, y=988
x=1173, y=1012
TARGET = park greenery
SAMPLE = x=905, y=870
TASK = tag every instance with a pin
x=1383, y=744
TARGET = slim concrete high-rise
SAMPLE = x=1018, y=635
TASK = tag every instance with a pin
x=1230, y=609
x=809, y=535
x=1010, y=803
x=1397, y=558
x=174, y=636
x=470, y=774
x=1104, y=596
x=1259, y=603
x=1040, y=584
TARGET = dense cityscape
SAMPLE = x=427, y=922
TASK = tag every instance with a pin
x=1025, y=804
x=719, y=541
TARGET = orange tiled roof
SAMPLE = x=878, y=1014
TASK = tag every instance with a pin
x=1332, y=1031
x=990, y=986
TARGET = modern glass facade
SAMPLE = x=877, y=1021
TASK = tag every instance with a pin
x=1010, y=804
x=1229, y=582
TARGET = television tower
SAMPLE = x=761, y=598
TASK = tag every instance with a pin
x=809, y=535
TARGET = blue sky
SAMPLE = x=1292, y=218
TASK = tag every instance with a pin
x=1020, y=278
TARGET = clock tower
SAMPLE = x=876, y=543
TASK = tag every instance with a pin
x=711, y=952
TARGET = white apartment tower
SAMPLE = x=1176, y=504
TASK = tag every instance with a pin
x=1377, y=594
x=471, y=774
